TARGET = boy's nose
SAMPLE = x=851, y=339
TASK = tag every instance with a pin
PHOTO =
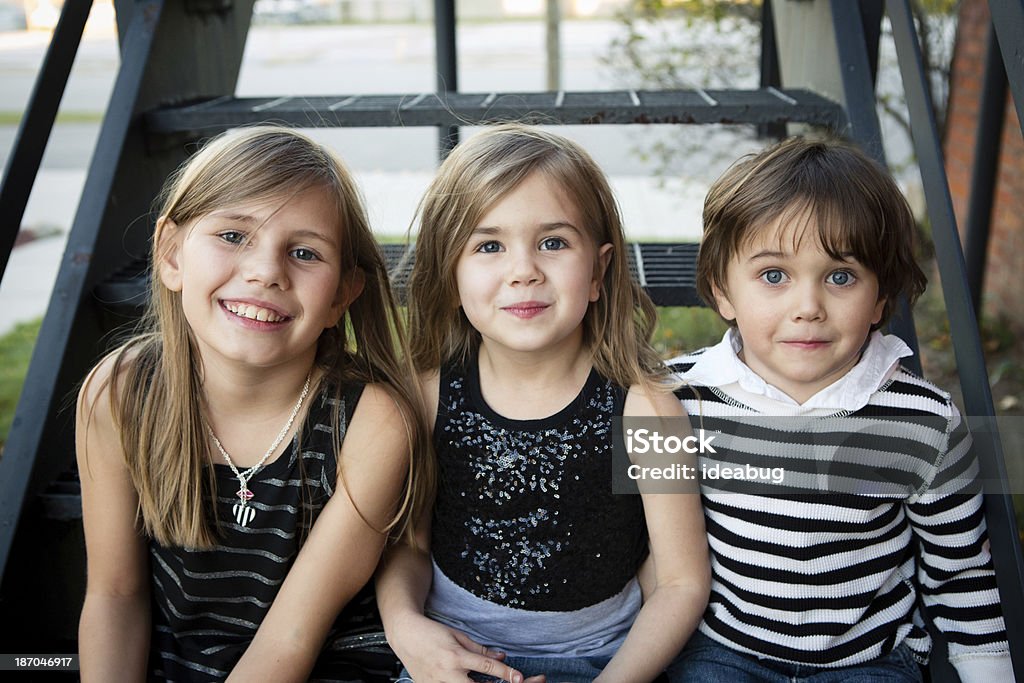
x=808, y=303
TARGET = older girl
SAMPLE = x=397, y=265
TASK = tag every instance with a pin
x=244, y=458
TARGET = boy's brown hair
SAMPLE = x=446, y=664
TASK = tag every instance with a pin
x=852, y=205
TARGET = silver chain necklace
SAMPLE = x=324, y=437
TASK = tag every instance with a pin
x=243, y=513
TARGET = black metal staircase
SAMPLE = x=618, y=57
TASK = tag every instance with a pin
x=165, y=98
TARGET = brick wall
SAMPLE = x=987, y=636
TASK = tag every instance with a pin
x=1004, y=274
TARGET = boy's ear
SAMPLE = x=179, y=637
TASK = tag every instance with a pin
x=604, y=257
x=725, y=307
x=351, y=287
x=879, y=310
x=168, y=253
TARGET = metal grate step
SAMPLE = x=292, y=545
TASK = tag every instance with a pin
x=761, y=106
x=667, y=271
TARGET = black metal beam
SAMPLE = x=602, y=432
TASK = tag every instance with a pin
x=1008, y=19
x=446, y=55
x=852, y=23
x=112, y=223
x=985, y=167
x=427, y=109
x=999, y=513
x=37, y=122
x=771, y=76
x=857, y=77
x=41, y=394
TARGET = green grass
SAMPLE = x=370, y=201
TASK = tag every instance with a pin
x=15, y=352
x=686, y=329
x=13, y=118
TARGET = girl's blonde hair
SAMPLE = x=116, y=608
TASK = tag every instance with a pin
x=157, y=390
x=479, y=173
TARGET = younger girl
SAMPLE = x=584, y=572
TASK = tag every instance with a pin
x=211, y=445
x=532, y=337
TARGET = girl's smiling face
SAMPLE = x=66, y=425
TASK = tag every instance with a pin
x=803, y=316
x=260, y=280
x=530, y=270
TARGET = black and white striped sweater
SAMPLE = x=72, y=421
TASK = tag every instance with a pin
x=812, y=572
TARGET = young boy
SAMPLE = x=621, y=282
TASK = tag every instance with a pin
x=807, y=248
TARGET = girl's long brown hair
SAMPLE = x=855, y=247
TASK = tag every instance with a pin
x=156, y=388
x=478, y=173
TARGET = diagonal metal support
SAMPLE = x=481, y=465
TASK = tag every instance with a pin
x=985, y=167
x=37, y=123
x=41, y=394
x=112, y=225
x=857, y=63
x=1008, y=20
x=999, y=514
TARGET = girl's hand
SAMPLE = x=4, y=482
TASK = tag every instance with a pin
x=435, y=653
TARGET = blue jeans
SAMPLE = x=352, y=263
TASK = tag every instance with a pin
x=557, y=669
x=704, y=660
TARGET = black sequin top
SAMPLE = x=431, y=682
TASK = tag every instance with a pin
x=525, y=516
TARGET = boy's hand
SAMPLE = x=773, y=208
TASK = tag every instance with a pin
x=435, y=653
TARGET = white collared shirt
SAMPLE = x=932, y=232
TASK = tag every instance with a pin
x=720, y=366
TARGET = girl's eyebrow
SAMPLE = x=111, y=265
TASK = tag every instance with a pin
x=314, y=235
x=234, y=217
x=253, y=220
x=544, y=227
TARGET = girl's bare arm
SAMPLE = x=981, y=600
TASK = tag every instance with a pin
x=431, y=651
x=113, y=634
x=343, y=547
x=681, y=572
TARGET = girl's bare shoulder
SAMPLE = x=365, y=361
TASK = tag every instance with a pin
x=104, y=382
x=652, y=400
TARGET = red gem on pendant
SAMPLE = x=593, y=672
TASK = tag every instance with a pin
x=244, y=494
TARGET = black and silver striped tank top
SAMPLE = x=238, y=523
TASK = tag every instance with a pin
x=207, y=605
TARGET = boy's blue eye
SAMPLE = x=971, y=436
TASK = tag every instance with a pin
x=553, y=244
x=489, y=248
x=840, y=278
x=305, y=254
x=773, y=277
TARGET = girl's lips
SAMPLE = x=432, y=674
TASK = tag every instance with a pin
x=526, y=309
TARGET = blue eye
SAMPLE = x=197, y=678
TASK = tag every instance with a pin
x=773, y=277
x=841, y=278
x=232, y=237
x=491, y=247
x=304, y=254
x=553, y=244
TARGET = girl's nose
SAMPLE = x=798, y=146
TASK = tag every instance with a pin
x=523, y=269
x=262, y=266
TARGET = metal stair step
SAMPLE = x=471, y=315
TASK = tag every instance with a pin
x=666, y=270
x=758, y=106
